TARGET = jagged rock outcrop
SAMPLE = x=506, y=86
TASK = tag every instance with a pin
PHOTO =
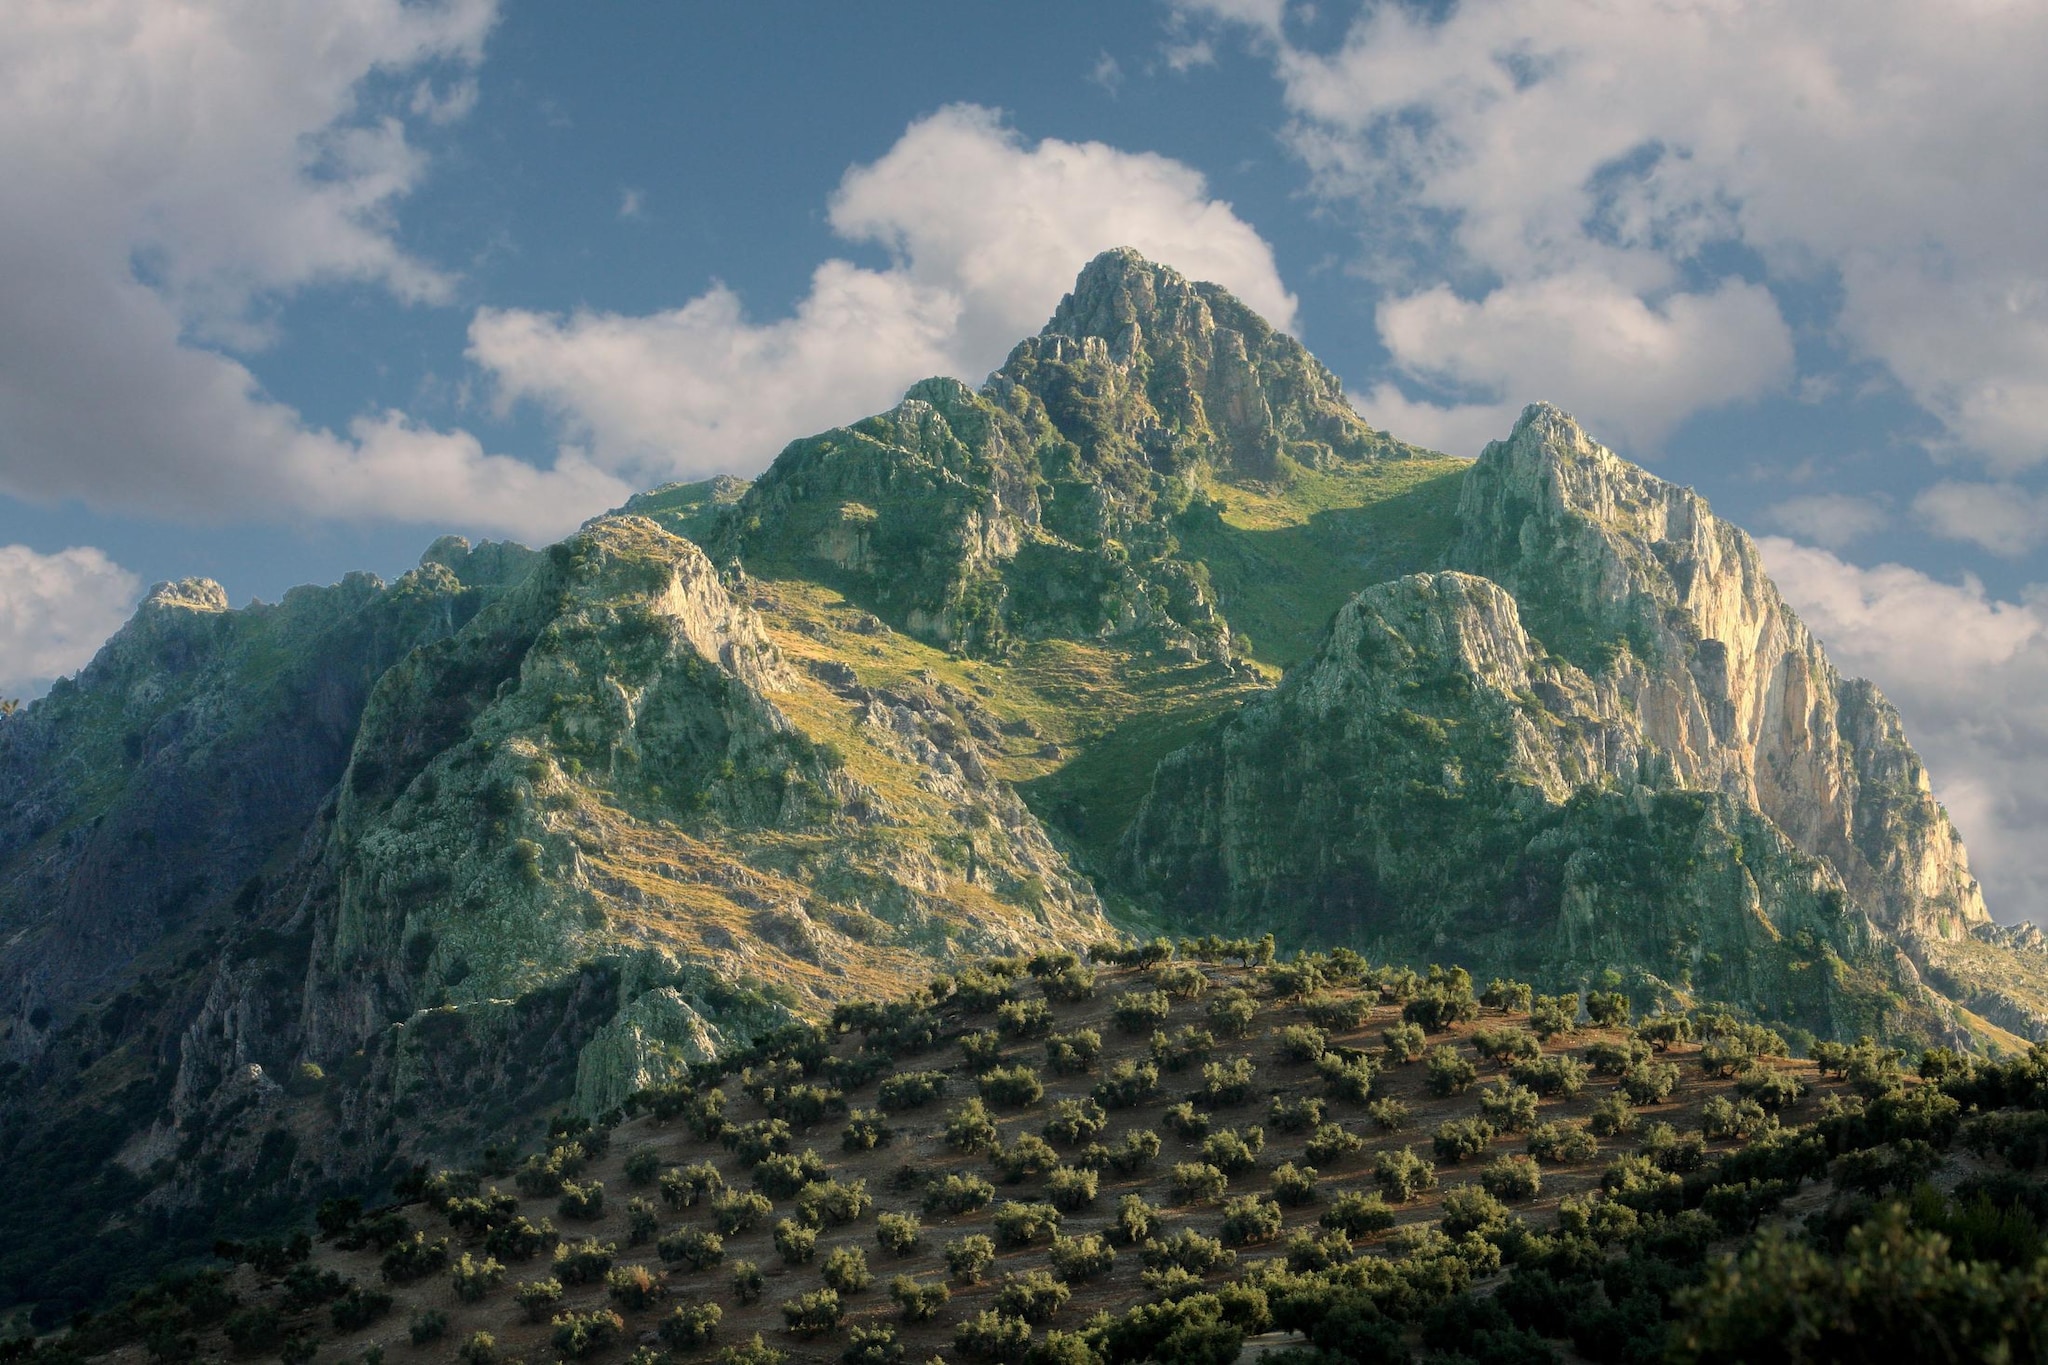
x=1636, y=578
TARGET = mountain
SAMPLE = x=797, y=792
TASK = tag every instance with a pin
x=1148, y=633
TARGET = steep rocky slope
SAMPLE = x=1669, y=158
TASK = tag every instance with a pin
x=296, y=895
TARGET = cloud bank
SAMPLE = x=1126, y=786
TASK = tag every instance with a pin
x=55, y=610
x=985, y=232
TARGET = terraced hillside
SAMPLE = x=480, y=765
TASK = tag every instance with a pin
x=1071, y=1165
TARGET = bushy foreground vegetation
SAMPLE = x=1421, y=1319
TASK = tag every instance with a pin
x=1160, y=1152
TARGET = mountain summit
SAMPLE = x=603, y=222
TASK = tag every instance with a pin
x=1150, y=632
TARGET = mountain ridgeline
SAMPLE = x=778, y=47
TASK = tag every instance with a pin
x=1151, y=632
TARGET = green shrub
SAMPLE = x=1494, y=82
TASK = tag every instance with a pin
x=911, y=1090
x=846, y=1270
x=473, y=1279
x=643, y=1164
x=643, y=1220
x=428, y=1326
x=865, y=1131
x=683, y=1186
x=1649, y=1084
x=738, y=1210
x=898, y=1232
x=1614, y=1059
x=359, y=1307
x=1185, y=1121
x=1403, y=1175
x=1140, y=1011
x=1440, y=1006
x=581, y=1202
x=257, y=1328
x=577, y=1335
x=1311, y=1253
x=1188, y=1250
x=1227, y=1083
x=1070, y=1189
x=1567, y=1143
x=693, y=1247
x=872, y=1344
x=832, y=1203
x=1469, y=1208
x=1660, y=1031
x=1679, y=1153
x=1404, y=1043
x=1512, y=1178
x=1233, y=1151
x=1082, y=1258
x=958, y=1194
x=755, y=1142
x=1027, y=1156
x=480, y=1349
x=1337, y=1014
x=1069, y=985
x=815, y=1313
x=1301, y=1043
x=1768, y=1088
x=414, y=1259
x=1387, y=1114
x=1233, y=1013
x=1073, y=1121
x=1331, y=1142
x=584, y=1262
x=1613, y=1117
x=1551, y=1015
x=969, y=1128
x=1035, y=1297
x=538, y=1297
x=1070, y=1054
x=1347, y=1078
x=1181, y=1050
x=1358, y=1214
x=1299, y=1116
x=1555, y=1075
x=1249, y=1220
x=1509, y=997
x=632, y=1287
x=1510, y=1108
x=1127, y=1084
x=1019, y=1224
x=748, y=1283
x=918, y=1300
x=1449, y=1072
x=1461, y=1139
x=1139, y=1149
x=754, y=1352
x=783, y=1174
x=796, y=1243
x=1180, y=980
x=692, y=1326
x=1023, y=1020
x=1607, y=1009
x=1136, y=1220
x=520, y=1240
x=969, y=1258
x=1294, y=1185
x=1197, y=1182
x=989, y=1335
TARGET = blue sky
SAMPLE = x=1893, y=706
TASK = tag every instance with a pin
x=302, y=289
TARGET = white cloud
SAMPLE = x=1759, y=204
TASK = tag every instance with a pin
x=1643, y=367
x=1877, y=148
x=1108, y=73
x=1970, y=676
x=2004, y=519
x=986, y=231
x=1830, y=519
x=170, y=170
x=55, y=610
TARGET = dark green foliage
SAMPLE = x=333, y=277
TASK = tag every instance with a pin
x=1075, y=1259
x=872, y=1345
x=748, y=1283
x=1126, y=1084
x=1070, y=1189
x=991, y=1336
x=1348, y=1078
x=1331, y=1142
x=1357, y=1214
x=1180, y=980
x=1336, y=1014
x=969, y=1258
x=1234, y=1151
x=1179, y=1051
x=1607, y=1009
x=1567, y=1143
x=1027, y=1156
x=1510, y=1108
x=1136, y=1220
x=581, y=1202
x=1462, y=1139
x=683, y=1186
x=969, y=1128
x=1139, y=1011
x=846, y=1270
x=831, y=1203
x=1509, y=997
x=1233, y=1013
x=1302, y=1043
x=982, y=1051
x=1188, y=1250
x=1139, y=1148
x=642, y=1165
x=865, y=1130
x=1073, y=1121
x=784, y=1173
x=1185, y=1122
x=1249, y=1220
x=430, y=1325
x=1405, y=1043
x=898, y=1232
x=692, y=1326
x=633, y=1287
x=1387, y=1114
x=755, y=1142
x=1512, y=1178
x=1228, y=1083
x=1403, y=1175
x=358, y=1308
x=1470, y=1208
x=414, y=1259
x=1024, y=1020
x=738, y=1210
x=694, y=1247
x=958, y=1194
x=1450, y=1072
x=1070, y=1054
x=1551, y=1015
x=1197, y=1182
x=1556, y=1075
x=1020, y=1224
x=1034, y=1297
x=1295, y=1116
x=919, y=1300
x=911, y=1089
x=583, y=1262
x=815, y=1313
x=1294, y=1184
x=1649, y=1084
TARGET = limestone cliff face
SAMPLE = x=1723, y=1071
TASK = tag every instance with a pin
x=1636, y=579
x=1434, y=783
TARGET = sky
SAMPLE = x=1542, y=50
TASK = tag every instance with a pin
x=292, y=290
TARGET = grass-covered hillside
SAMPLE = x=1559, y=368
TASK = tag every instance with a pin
x=1180, y=1157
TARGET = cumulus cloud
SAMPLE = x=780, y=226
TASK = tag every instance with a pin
x=1970, y=675
x=169, y=171
x=55, y=610
x=2004, y=519
x=1831, y=519
x=985, y=230
x=1524, y=150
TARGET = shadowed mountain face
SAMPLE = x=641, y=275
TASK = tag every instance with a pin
x=293, y=895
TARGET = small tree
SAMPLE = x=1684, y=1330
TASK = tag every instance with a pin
x=1512, y=1178
x=918, y=1300
x=1403, y=1175
x=969, y=1258
x=846, y=1270
x=1449, y=1072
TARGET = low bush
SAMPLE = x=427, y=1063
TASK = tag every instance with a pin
x=738, y=1210
x=911, y=1090
x=1034, y=1296
x=1250, y=1220
x=815, y=1313
x=1070, y=1054
x=1562, y=1143
x=989, y=1335
x=865, y=1131
x=1126, y=1084
x=691, y=1326
x=1331, y=1142
x=683, y=1186
x=1075, y=1259
x=1387, y=1114
x=919, y=1300
x=899, y=1233
x=1462, y=1139
x=1449, y=1072
x=1302, y=1043
x=1405, y=1043
x=796, y=1243
x=1403, y=1175
x=1070, y=1189
x=577, y=1335
x=1295, y=1116
x=1556, y=1075
x=958, y=1194
x=1136, y=1220
x=1197, y=1182
x=1294, y=1185
x=1019, y=1224
x=846, y=1270
x=538, y=1298
x=1073, y=1121
x=1234, y=1151
x=1512, y=1178
x=1358, y=1214
x=969, y=1128
x=1140, y=1011
x=969, y=1258
x=633, y=1287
